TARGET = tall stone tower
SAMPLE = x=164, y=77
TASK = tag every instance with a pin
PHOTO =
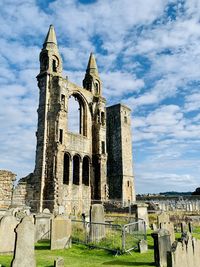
x=70, y=167
x=119, y=147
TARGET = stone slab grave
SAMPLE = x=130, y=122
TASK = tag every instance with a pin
x=24, y=255
x=97, y=219
x=59, y=262
x=7, y=233
x=162, y=244
x=143, y=246
x=61, y=230
x=42, y=226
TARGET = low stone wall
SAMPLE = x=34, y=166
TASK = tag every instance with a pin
x=7, y=179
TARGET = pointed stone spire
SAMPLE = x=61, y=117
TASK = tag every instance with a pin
x=50, y=38
x=92, y=66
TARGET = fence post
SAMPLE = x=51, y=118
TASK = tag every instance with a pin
x=123, y=239
x=145, y=231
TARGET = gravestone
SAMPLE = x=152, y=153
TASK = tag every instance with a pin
x=59, y=262
x=7, y=233
x=143, y=246
x=42, y=226
x=61, y=230
x=142, y=213
x=163, y=218
x=97, y=227
x=162, y=244
x=24, y=255
x=170, y=227
x=46, y=211
x=154, y=227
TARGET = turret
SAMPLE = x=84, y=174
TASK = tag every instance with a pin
x=50, y=60
x=92, y=80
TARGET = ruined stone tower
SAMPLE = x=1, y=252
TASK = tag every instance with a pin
x=119, y=147
x=70, y=167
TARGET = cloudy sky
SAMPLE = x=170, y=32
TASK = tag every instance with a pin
x=148, y=54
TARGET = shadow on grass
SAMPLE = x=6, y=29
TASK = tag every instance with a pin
x=42, y=245
x=119, y=262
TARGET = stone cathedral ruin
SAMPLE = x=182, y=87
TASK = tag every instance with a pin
x=72, y=169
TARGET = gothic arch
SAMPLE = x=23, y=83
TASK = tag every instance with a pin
x=83, y=112
x=76, y=169
x=86, y=170
x=66, y=167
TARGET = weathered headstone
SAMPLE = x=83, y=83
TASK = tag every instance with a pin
x=7, y=233
x=163, y=218
x=42, y=226
x=59, y=262
x=185, y=253
x=170, y=227
x=143, y=246
x=60, y=233
x=154, y=227
x=97, y=227
x=142, y=213
x=162, y=244
x=24, y=255
x=46, y=211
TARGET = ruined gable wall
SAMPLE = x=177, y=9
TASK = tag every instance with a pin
x=7, y=179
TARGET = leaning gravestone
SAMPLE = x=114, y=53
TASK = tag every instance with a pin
x=7, y=233
x=97, y=226
x=24, y=255
x=61, y=230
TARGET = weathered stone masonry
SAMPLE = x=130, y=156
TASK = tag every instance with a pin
x=71, y=168
x=7, y=179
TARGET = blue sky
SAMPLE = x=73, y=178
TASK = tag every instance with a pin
x=148, y=54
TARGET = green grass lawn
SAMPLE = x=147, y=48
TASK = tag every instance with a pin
x=80, y=255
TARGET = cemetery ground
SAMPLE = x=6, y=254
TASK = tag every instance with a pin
x=81, y=255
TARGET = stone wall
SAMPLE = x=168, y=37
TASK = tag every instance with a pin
x=7, y=179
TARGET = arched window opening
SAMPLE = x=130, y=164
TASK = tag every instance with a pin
x=96, y=86
x=44, y=62
x=54, y=65
x=76, y=170
x=103, y=118
x=103, y=147
x=61, y=136
x=77, y=121
x=66, y=169
x=86, y=171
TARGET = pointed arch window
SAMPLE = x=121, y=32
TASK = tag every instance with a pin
x=66, y=169
x=86, y=170
x=76, y=169
x=77, y=115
